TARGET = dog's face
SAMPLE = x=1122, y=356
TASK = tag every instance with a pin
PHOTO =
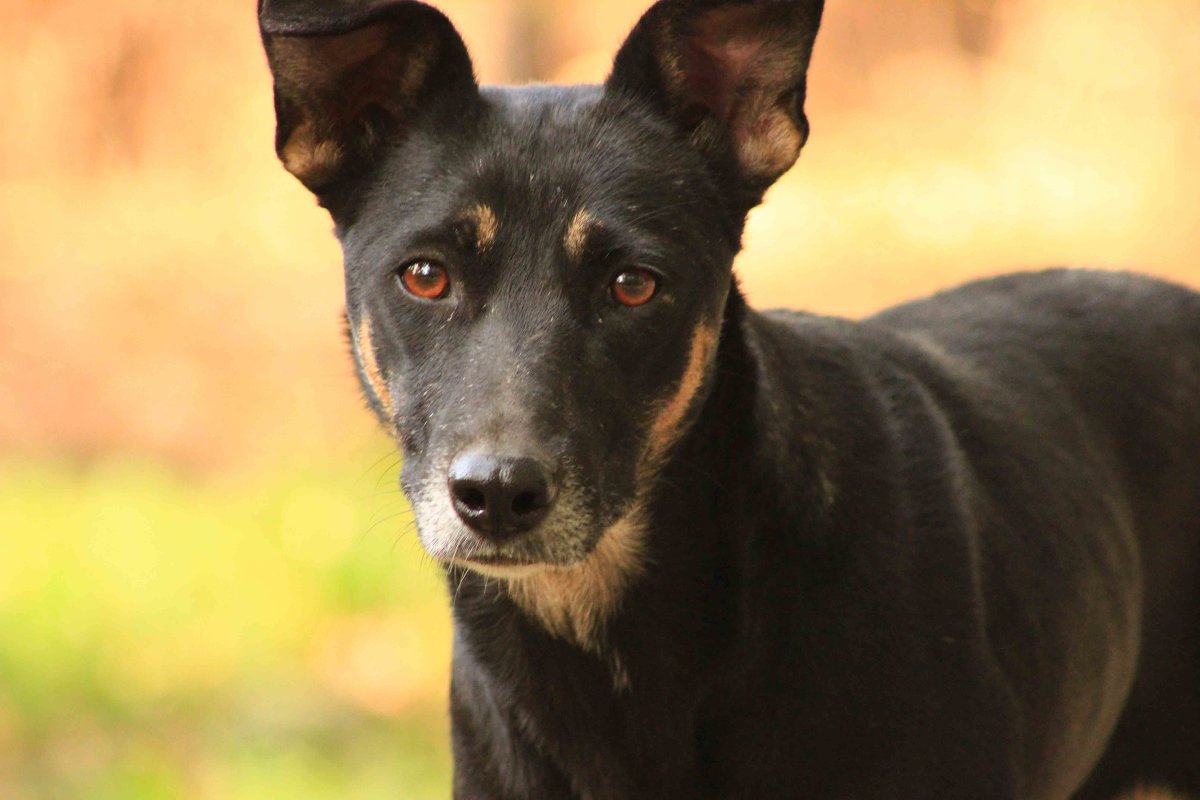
x=536, y=277
x=540, y=295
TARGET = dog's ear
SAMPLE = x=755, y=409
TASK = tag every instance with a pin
x=352, y=73
x=731, y=76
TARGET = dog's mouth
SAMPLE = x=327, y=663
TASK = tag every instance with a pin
x=513, y=559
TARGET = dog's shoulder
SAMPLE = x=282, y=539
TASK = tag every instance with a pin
x=1038, y=357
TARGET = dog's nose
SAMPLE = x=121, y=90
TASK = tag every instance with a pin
x=501, y=496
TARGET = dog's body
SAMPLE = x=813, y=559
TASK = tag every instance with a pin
x=699, y=551
x=903, y=558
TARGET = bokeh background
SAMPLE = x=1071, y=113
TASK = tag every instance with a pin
x=209, y=585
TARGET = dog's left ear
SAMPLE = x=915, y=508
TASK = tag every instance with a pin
x=731, y=76
x=352, y=74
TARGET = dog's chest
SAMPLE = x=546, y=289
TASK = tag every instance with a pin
x=608, y=724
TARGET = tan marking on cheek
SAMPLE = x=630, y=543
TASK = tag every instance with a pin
x=366, y=351
x=666, y=424
x=577, y=232
x=574, y=602
x=486, y=225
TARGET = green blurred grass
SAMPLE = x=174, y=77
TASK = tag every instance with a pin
x=262, y=636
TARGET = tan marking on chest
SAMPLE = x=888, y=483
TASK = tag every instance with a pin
x=370, y=366
x=483, y=217
x=573, y=602
x=576, y=236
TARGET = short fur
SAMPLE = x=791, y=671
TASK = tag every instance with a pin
x=948, y=551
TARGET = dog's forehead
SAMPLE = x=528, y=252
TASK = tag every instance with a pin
x=543, y=127
x=547, y=103
x=568, y=162
x=560, y=148
x=543, y=167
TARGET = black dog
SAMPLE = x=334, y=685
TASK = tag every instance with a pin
x=700, y=551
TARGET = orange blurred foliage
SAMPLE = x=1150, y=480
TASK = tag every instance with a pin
x=166, y=289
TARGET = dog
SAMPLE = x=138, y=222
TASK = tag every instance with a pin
x=700, y=551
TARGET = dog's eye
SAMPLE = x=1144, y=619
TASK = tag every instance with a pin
x=634, y=287
x=426, y=280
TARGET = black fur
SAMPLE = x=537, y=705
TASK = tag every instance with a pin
x=943, y=552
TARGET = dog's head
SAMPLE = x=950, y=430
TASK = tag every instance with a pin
x=536, y=276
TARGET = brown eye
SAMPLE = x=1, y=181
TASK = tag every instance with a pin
x=634, y=287
x=426, y=280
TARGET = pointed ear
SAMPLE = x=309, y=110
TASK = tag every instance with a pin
x=730, y=75
x=352, y=73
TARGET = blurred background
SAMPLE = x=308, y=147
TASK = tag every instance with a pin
x=209, y=584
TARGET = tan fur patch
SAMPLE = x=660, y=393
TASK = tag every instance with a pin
x=366, y=351
x=1152, y=794
x=311, y=159
x=486, y=225
x=577, y=232
x=666, y=425
x=770, y=145
x=573, y=602
x=331, y=79
x=740, y=61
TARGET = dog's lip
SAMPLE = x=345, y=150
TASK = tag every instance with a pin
x=498, y=566
x=495, y=560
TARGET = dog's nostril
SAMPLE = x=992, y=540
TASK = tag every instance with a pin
x=474, y=499
x=528, y=503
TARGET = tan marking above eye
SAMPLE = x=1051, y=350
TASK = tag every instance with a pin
x=578, y=229
x=370, y=366
x=483, y=218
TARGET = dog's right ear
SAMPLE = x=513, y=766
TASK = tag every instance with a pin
x=731, y=76
x=351, y=74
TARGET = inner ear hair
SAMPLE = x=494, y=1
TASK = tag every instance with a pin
x=746, y=66
x=731, y=75
x=340, y=93
x=348, y=74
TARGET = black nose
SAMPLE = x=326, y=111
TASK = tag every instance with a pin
x=500, y=496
